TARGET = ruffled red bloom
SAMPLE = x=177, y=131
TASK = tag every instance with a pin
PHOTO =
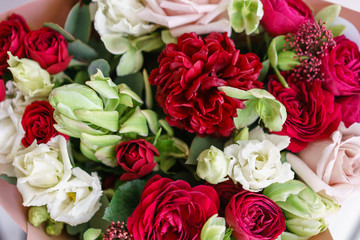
x=311, y=111
x=12, y=34
x=188, y=78
x=172, y=210
x=38, y=123
x=2, y=89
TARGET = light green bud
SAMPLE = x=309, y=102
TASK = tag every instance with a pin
x=304, y=210
x=214, y=228
x=212, y=165
x=245, y=15
x=38, y=215
x=29, y=77
x=92, y=234
x=54, y=228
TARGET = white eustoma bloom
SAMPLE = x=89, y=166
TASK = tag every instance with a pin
x=256, y=163
x=76, y=200
x=212, y=165
x=120, y=17
x=41, y=167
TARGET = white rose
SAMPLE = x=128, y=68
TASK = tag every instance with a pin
x=120, y=17
x=212, y=165
x=76, y=200
x=41, y=167
x=255, y=163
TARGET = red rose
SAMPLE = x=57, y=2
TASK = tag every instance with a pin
x=350, y=109
x=12, y=34
x=48, y=48
x=254, y=216
x=172, y=210
x=38, y=123
x=342, y=68
x=2, y=90
x=188, y=77
x=311, y=111
x=225, y=191
x=136, y=157
x=284, y=16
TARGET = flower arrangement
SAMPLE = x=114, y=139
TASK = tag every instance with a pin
x=252, y=131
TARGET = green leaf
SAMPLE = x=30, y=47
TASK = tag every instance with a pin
x=276, y=46
x=105, y=119
x=56, y=27
x=166, y=164
x=148, y=91
x=78, y=22
x=167, y=127
x=100, y=64
x=81, y=51
x=328, y=14
x=264, y=71
x=81, y=77
x=137, y=123
x=125, y=200
x=166, y=37
x=149, y=43
x=116, y=44
x=11, y=180
x=74, y=230
x=133, y=81
x=200, y=144
x=97, y=220
x=337, y=30
x=228, y=233
x=287, y=60
x=130, y=62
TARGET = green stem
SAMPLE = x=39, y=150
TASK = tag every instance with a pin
x=248, y=43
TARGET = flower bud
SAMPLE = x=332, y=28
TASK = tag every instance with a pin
x=38, y=215
x=214, y=228
x=29, y=77
x=54, y=228
x=92, y=234
x=212, y=165
x=304, y=210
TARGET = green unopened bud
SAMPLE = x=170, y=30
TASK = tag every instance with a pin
x=54, y=228
x=92, y=234
x=245, y=15
x=213, y=229
x=304, y=210
x=38, y=215
x=29, y=77
x=242, y=135
x=212, y=165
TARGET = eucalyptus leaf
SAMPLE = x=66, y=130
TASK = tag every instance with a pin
x=81, y=51
x=200, y=144
x=100, y=64
x=328, y=14
x=11, y=180
x=78, y=22
x=125, y=200
x=68, y=36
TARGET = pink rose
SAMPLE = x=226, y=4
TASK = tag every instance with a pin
x=350, y=109
x=284, y=16
x=342, y=68
x=331, y=165
x=172, y=210
x=188, y=16
x=253, y=216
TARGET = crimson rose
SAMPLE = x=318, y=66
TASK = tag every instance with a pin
x=350, y=109
x=38, y=123
x=172, y=210
x=253, y=216
x=136, y=157
x=12, y=34
x=2, y=90
x=311, y=111
x=188, y=78
x=342, y=68
x=284, y=16
x=48, y=48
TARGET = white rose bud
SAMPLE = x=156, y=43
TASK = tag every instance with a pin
x=212, y=165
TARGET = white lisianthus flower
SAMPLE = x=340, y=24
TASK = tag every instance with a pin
x=76, y=200
x=120, y=17
x=212, y=165
x=255, y=163
x=41, y=167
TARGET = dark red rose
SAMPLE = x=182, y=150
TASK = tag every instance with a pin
x=172, y=210
x=284, y=16
x=38, y=123
x=188, y=78
x=311, y=111
x=12, y=34
x=253, y=216
x=136, y=157
x=342, y=68
x=48, y=48
x=2, y=90
x=225, y=191
x=350, y=109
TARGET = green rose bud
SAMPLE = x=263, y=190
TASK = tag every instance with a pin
x=29, y=77
x=304, y=210
x=92, y=234
x=38, y=215
x=214, y=228
x=212, y=165
x=54, y=228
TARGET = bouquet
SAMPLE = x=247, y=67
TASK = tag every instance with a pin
x=225, y=119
